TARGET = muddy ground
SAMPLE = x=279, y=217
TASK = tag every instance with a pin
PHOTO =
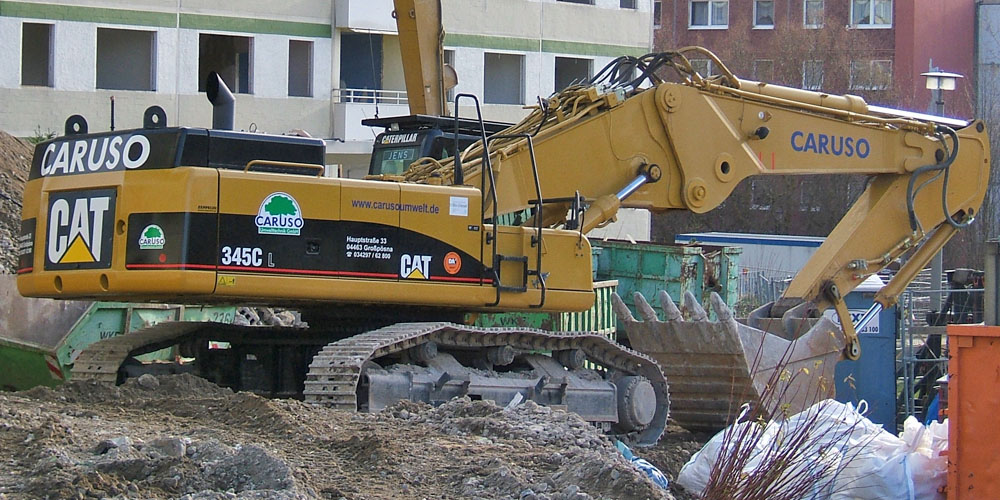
x=182, y=437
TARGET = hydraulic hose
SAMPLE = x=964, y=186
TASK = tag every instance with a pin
x=943, y=167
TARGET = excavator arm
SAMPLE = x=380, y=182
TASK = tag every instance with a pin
x=686, y=145
x=421, y=38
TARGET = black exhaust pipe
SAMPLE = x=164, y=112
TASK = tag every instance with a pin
x=223, y=102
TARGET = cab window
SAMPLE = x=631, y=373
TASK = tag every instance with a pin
x=394, y=161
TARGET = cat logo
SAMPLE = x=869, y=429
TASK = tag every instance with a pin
x=415, y=266
x=79, y=233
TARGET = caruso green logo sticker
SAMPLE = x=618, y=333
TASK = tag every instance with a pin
x=152, y=238
x=279, y=214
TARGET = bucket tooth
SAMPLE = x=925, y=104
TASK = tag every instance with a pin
x=693, y=308
x=670, y=310
x=645, y=310
x=716, y=366
x=722, y=311
x=621, y=310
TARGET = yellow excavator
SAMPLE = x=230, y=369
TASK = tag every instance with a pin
x=385, y=269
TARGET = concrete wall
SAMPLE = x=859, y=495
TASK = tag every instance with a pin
x=10, y=59
x=347, y=120
x=632, y=224
x=549, y=21
x=37, y=105
x=374, y=15
x=540, y=31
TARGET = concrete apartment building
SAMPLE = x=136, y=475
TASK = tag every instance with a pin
x=873, y=48
x=316, y=65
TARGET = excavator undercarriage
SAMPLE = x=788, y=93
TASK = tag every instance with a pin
x=607, y=384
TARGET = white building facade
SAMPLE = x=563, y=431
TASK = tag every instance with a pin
x=313, y=65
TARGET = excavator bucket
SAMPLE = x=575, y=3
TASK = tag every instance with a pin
x=714, y=367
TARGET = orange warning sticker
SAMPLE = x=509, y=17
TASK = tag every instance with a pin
x=452, y=263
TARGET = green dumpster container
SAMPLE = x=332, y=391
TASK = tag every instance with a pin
x=41, y=338
x=648, y=268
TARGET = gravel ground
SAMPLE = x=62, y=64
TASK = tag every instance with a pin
x=182, y=437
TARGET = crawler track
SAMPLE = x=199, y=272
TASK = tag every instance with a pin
x=335, y=372
x=100, y=361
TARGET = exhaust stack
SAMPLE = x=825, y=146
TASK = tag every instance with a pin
x=223, y=102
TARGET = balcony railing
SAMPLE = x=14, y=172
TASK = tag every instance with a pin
x=368, y=96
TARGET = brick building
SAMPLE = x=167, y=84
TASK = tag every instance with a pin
x=873, y=48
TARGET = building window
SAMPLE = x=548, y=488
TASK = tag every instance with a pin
x=570, y=71
x=126, y=59
x=763, y=70
x=360, y=66
x=36, y=54
x=657, y=12
x=702, y=66
x=503, y=79
x=812, y=13
x=587, y=2
x=871, y=13
x=713, y=14
x=300, y=68
x=626, y=4
x=230, y=56
x=871, y=75
x=763, y=14
x=812, y=75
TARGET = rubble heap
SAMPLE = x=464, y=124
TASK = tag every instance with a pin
x=15, y=160
x=178, y=436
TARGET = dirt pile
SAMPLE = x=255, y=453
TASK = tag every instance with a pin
x=181, y=437
x=584, y=463
x=15, y=159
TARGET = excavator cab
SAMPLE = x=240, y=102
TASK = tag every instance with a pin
x=409, y=138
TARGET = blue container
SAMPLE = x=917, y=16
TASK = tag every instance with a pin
x=873, y=377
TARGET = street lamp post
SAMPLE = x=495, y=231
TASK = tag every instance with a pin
x=938, y=82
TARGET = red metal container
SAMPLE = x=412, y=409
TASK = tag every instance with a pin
x=973, y=412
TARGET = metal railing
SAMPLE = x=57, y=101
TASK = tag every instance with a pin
x=369, y=96
x=922, y=349
x=598, y=319
x=760, y=286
